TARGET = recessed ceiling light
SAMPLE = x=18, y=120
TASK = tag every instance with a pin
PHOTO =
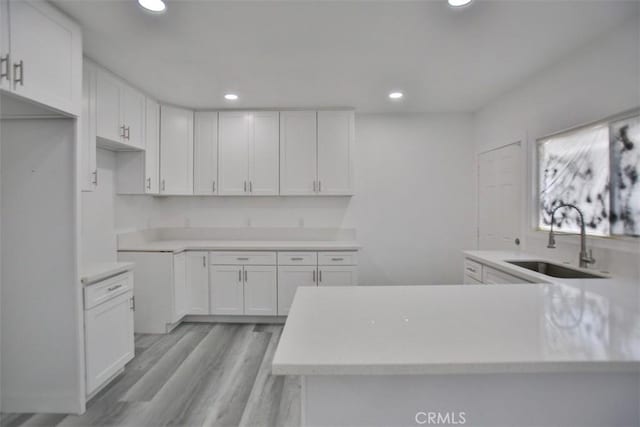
x=396, y=95
x=231, y=97
x=153, y=5
x=459, y=3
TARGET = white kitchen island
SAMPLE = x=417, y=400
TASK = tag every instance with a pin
x=555, y=354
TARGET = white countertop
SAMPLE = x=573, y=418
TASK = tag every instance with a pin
x=97, y=271
x=559, y=326
x=177, y=246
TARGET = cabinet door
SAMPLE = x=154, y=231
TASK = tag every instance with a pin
x=491, y=276
x=338, y=276
x=176, y=150
x=133, y=112
x=205, y=158
x=198, y=283
x=5, y=58
x=226, y=293
x=298, y=163
x=180, y=291
x=152, y=147
x=88, y=167
x=264, y=154
x=468, y=280
x=46, y=53
x=233, y=145
x=109, y=125
x=260, y=290
x=109, y=339
x=335, y=152
x=291, y=278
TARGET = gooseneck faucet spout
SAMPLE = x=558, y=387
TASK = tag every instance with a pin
x=586, y=258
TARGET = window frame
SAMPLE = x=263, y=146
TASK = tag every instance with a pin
x=535, y=181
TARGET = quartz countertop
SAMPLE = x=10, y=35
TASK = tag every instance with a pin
x=97, y=271
x=555, y=325
x=177, y=246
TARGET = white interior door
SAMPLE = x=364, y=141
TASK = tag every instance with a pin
x=264, y=155
x=197, y=283
x=205, y=153
x=226, y=291
x=152, y=147
x=499, y=201
x=233, y=151
x=298, y=161
x=47, y=47
x=337, y=276
x=260, y=290
x=290, y=278
x=335, y=152
x=176, y=150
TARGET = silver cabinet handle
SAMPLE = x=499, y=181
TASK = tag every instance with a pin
x=245, y=186
x=95, y=177
x=132, y=306
x=128, y=131
x=314, y=276
x=319, y=186
x=5, y=68
x=240, y=275
x=113, y=288
x=149, y=183
x=296, y=259
x=122, y=131
x=242, y=259
x=473, y=270
x=245, y=276
x=337, y=259
x=204, y=261
x=250, y=186
x=16, y=79
x=320, y=275
x=213, y=187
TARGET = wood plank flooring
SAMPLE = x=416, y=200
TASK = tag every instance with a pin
x=198, y=375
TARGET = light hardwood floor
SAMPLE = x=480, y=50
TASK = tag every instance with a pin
x=198, y=375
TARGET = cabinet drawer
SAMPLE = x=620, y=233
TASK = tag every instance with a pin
x=473, y=269
x=105, y=290
x=337, y=258
x=297, y=258
x=242, y=258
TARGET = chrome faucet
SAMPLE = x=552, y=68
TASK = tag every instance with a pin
x=585, y=258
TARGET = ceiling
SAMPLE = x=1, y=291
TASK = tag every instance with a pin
x=338, y=53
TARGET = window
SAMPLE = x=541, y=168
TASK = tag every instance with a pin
x=595, y=168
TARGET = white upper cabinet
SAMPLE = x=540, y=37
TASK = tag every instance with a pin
x=120, y=113
x=42, y=55
x=248, y=150
x=176, y=150
x=152, y=148
x=335, y=152
x=88, y=167
x=233, y=171
x=205, y=159
x=298, y=149
x=264, y=145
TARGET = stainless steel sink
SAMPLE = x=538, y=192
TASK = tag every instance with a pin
x=556, y=270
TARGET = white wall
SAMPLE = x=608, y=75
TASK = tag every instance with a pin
x=413, y=184
x=98, y=214
x=599, y=80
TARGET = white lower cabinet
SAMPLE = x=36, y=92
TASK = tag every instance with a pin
x=338, y=275
x=197, y=282
x=290, y=278
x=180, y=290
x=108, y=318
x=226, y=290
x=476, y=273
x=260, y=290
